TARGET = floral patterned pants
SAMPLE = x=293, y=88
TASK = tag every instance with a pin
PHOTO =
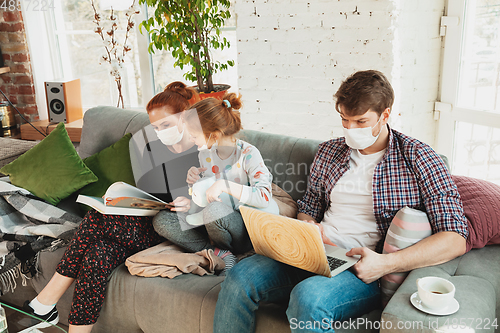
x=101, y=243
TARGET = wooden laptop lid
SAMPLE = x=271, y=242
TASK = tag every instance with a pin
x=290, y=241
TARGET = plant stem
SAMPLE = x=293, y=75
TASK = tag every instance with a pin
x=199, y=35
x=126, y=33
x=120, y=96
x=100, y=33
x=210, y=84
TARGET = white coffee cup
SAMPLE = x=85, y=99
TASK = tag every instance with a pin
x=435, y=292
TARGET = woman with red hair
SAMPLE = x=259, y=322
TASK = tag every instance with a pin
x=103, y=242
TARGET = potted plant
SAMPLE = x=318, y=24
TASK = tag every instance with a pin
x=190, y=29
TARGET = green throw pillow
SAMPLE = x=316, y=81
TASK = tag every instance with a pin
x=51, y=170
x=112, y=164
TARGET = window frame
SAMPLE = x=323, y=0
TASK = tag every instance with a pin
x=450, y=70
x=50, y=63
x=46, y=28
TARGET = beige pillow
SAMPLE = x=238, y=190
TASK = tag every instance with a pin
x=288, y=207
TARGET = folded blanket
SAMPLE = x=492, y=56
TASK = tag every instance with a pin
x=169, y=260
x=28, y=225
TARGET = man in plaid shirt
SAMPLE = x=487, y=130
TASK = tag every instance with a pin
x=357, y=185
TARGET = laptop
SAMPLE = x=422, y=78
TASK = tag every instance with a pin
x=294, y=242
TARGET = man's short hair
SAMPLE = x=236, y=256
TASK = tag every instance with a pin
x=365, y=90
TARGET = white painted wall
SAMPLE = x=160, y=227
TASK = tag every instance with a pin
x=293, y=55
x=416, y=72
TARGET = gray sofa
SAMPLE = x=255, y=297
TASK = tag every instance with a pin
x=186, y=303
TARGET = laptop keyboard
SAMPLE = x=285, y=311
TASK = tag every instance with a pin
x=335, y=262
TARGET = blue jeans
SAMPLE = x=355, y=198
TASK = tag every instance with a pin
x=315, y=302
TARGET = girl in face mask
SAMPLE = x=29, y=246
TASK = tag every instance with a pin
x=236, y=175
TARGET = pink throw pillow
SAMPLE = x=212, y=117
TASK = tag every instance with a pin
x=481, y=200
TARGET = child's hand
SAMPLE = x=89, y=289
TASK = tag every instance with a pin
x=182, y=204
x=215, y=191
x=193, y=174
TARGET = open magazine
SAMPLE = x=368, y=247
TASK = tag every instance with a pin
x=124, y=199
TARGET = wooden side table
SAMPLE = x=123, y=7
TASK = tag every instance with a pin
x=29, y=133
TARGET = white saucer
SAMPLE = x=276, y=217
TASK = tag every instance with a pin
x=452, y=308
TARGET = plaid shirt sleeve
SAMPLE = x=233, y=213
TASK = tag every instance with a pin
x=439, y=193
x=313, y=202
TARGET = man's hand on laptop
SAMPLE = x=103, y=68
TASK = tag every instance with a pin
x=371, y=266
x=325, y=239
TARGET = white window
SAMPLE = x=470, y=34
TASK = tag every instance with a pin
x=63, y=44
x=469, y=129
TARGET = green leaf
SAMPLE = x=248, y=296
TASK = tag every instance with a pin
x=190, y=33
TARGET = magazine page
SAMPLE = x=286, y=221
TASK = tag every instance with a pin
x=98, y=204
x=121, y=189
x=137, y=203
x=94, y=202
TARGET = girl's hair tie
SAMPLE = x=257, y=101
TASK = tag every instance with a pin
x=227, y=103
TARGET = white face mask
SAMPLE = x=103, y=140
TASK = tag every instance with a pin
x=204, y=147
x=170, y=136
x=361, y=138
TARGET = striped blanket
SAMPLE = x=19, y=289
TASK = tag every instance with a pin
x=28, y=225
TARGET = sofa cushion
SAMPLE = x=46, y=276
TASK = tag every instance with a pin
x=475, y=276
x=105, y=125
x=182, y=304
x=112, y=164
x=52, y=169
x=119, y=311
x=481, y=200
x=289, y=164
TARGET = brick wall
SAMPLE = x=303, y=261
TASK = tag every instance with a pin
x=18, y=83
x=293, y=55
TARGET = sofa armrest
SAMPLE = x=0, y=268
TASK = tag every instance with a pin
x=475, y=295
